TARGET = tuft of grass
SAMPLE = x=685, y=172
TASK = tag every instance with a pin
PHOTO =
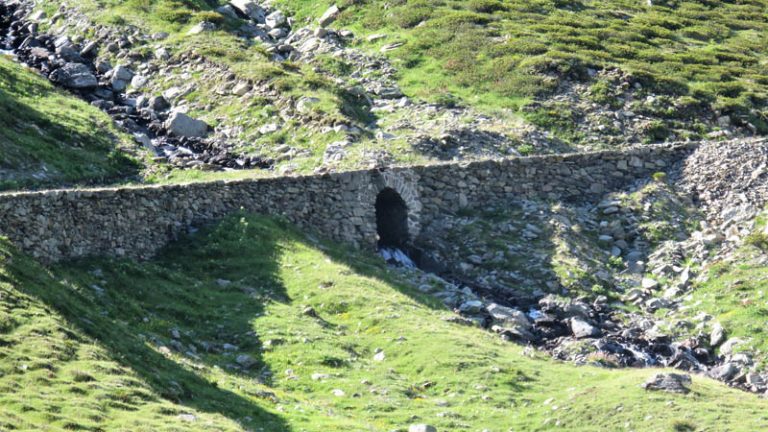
x=758, y=239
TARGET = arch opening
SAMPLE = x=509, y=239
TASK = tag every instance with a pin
x=391, y=219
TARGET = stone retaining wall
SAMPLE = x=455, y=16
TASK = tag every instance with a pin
x=136, y=221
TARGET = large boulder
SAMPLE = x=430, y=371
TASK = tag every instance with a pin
x=180, y=124
x=329, y=16
x=669, y=382
x=74, y=76
x=581, y=328
x=506, y=316
x=250, y=9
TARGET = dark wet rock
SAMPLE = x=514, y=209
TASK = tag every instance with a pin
x=75, y=76
x=669, y=382
x=724, y=372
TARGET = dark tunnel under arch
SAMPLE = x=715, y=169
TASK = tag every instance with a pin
x=391, y=219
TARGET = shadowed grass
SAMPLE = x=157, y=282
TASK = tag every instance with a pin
x=48, y=136
x=85, y=327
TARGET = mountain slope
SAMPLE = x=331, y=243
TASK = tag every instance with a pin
x=50, y=137
x=414, y=81
x=250, y=323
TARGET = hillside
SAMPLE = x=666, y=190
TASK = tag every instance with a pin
x=411, y=82
x=49, y=137
x=121, y=345
x=617, y=283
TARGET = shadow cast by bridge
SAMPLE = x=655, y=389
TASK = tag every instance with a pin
x=192, y=305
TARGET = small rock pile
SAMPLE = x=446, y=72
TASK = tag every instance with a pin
x=729, y=180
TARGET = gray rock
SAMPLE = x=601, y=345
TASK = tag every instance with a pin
x=421, y=428
x=329, y=16
x=245, y=361
x=228, y=11
x=162, y=54
x=305, y=104
x=669, y=382
x=275, y=19
x=241, y=88
x=656, y=303
x=250, y=9
x=724, y=372
x=38, y=16
x=471, y=306
x=139, y=81
x=202, y=27
x=143, y=139
x=513, y=332
x=122, y=72
x=648, y=283
x=506, y=315
x=278, y=33
x=89, y=48
x=119, y=85
x=158, y=103
x=581, y=328
x=576, y=308
x=717, y=336
x=727, y=347
x=180, y=124
x=756, y=380
x=75, y=76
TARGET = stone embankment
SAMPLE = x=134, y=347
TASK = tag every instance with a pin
x=136, y=221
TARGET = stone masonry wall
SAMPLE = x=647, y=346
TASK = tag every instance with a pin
x=137, y=221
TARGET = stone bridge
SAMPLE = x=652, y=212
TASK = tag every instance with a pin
x=363, y=208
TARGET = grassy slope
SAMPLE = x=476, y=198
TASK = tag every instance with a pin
x=249, y=62
x=733, y=293
x=46, y=131
x=495, y=52
x=81, y=349
x=704, y=58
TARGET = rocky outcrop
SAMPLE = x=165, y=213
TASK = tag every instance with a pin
x=80, y=67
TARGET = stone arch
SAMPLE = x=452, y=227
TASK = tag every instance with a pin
x=404, y=183
x=391, y=219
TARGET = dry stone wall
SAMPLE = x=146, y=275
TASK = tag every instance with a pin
x=137, y=221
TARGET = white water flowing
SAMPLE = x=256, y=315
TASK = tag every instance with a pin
x=397, y=257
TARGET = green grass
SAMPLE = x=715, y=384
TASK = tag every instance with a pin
x=734, y=295
x=498, y=53
x=88, y=346
x=50, y=137
x=700, y=60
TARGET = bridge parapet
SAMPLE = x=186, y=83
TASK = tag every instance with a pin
x=136, y=221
